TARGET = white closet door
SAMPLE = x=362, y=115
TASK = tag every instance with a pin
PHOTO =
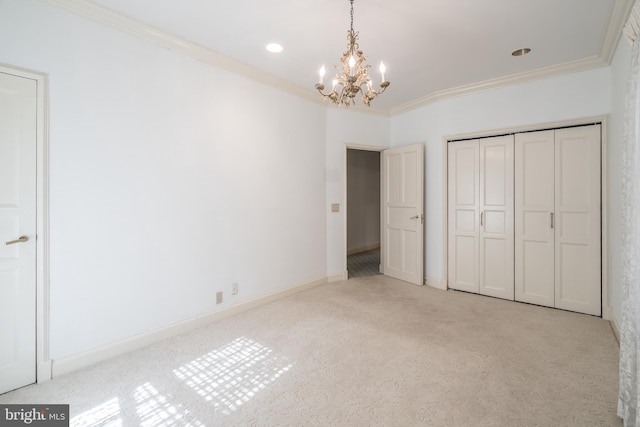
x=496, y=217
x=534, y=206
x=577, y=220
x=463, y=215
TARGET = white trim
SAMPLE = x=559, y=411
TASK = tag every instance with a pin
x=611, y=317
x=102, y=353
x=338, y=277
x=445, y=214
x=436, y=283
x=604, y=162
x=43, y=363
x=617, y=18
x=364, y=147
x=583, y=64
x=604, y=212
x=158, y=37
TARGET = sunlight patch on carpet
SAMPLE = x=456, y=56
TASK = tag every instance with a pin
x=155, y=409
x=230, y=376
x=105, y=414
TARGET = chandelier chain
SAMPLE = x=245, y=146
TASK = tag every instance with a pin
x=351, y=15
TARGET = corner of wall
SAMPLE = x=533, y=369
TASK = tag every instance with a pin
x=338, y=277
x=611, y=317
x=435, y=283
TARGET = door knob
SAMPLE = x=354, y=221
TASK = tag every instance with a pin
x=415, y=217
x=20, y=239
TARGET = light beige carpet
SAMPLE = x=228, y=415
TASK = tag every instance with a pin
x=370, y=351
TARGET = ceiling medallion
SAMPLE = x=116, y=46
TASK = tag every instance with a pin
x=354, y=79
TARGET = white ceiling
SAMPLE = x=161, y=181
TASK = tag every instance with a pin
x=428, y=46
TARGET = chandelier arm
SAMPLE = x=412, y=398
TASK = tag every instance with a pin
x=320, y=88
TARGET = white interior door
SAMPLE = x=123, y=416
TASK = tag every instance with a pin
x=403, y=216
x=577, y=220
x=534, y=207
x=496, y=217
x=463, y=215
x=17, y=218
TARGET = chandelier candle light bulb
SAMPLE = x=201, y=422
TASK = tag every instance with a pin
x=352, y=78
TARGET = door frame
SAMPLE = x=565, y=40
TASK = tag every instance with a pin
x=604, y=121
x=43, y=360
x=361, y=147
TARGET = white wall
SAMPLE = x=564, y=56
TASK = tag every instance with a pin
x=345, y=127
x=570, y=96
x=363, y=200
x=170, y=180
x=620, y=69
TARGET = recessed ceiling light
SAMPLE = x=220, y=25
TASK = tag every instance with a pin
x=275, y=47
x=521, y=52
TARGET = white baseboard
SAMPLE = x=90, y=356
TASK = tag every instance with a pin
x=361, y=249
x=611, y=317
x=43, y=373
x=338, y=277
x=78, y=361
x=435, y=283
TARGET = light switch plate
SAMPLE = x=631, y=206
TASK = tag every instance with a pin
x=335, y=207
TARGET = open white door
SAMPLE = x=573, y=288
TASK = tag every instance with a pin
x=17, y=231
x=402, y=213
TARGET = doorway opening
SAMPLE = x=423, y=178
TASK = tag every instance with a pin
x=363, y=213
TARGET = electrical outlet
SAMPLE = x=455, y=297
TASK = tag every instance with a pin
x=218, y=297
x=234, y=291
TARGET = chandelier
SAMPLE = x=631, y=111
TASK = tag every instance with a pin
x=354, y=79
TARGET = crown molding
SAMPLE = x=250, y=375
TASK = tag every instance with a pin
x=169, y=41
x=619, y=13
x=618, y=16
x=583, y=64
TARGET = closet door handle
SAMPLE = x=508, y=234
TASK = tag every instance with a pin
x=552, y=220
x=482, y=219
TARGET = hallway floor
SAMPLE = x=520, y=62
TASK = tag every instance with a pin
x=364, y=264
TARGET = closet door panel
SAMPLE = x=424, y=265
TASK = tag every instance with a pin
x=534, y=205
x=463, y=215
x=577, y=228
x=496, y=213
